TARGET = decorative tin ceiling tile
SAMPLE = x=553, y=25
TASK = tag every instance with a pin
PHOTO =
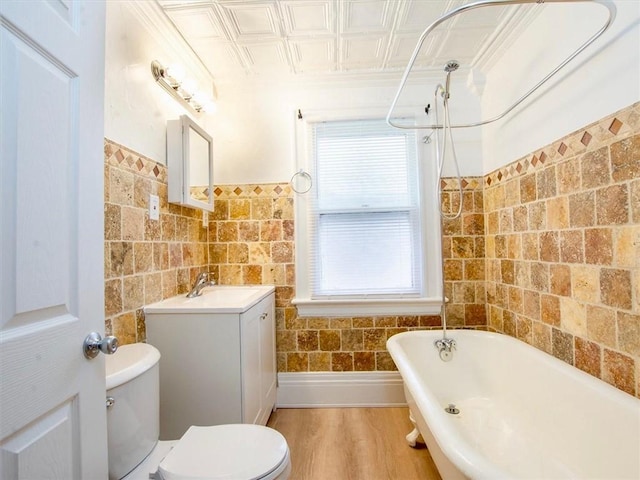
x=253, y=20
x=362, y=52
x=416, y=16
x=365, y=16
x=266, y=55
x=201, y=21
x=313, y=54
x=328, y=36
x=402, y=46
x=310, y=18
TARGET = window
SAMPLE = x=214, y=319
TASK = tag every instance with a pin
x=360, y=245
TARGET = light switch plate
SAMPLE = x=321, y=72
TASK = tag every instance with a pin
x=154, y=207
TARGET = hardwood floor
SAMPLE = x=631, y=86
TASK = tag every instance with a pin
x=352, y=444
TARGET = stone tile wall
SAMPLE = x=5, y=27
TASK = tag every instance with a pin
x=547, y=250
x=252, y=242
x=563, y=249
x=463, y=248
x=145, y=260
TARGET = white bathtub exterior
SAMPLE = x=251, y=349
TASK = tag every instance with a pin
x=523, y=413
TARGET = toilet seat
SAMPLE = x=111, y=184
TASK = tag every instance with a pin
x=237, y=451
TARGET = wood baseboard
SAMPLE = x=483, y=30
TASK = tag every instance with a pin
x=340, y=389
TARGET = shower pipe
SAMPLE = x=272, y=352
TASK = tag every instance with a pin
x=485, y=3
x=445, y=345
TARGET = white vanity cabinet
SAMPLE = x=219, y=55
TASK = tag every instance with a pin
x=258, y=361
x=217, y=358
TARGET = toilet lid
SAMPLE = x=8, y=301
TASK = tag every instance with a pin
x=241, y=451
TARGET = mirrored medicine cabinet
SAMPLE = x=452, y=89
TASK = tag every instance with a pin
x=190, y=164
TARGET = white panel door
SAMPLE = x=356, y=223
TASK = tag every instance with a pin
x=52, y=399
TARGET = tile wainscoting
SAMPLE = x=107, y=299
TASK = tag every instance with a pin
x=145, y=260
x=563, y=249
x=547, y=250
x=252, y=242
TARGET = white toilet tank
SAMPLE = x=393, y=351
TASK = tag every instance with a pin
x=133, y=419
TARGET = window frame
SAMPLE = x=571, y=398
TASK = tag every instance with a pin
x=429, y=300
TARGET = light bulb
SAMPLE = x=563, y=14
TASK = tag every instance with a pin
x=188, y=86
x=176, y=72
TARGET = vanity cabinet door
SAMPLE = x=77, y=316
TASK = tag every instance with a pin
x=258, y=362
x=250, y=327
x=268, y=361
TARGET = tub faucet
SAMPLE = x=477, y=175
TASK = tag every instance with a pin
x=203, y=280
x=445, y=347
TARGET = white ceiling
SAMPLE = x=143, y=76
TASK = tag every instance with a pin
x=261, y=38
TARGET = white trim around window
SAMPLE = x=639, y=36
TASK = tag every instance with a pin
x=428, y=299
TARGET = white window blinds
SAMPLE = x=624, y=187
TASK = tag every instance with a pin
x=364, y=218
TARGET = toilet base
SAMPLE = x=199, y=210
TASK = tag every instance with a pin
x=149, y=465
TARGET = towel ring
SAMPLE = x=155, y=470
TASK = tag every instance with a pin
x=307, y=178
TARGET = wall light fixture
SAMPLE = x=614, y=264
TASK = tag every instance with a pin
x=183, y=89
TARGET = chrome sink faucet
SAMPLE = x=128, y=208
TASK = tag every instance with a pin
x=204, y=279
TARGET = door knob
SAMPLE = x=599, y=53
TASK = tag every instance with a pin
x=95, y=344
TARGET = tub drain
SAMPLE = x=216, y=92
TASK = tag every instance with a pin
x=452, y=409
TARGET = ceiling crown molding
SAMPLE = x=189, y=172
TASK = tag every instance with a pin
x=504, y=36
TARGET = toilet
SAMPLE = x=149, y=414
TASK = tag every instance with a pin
x=231, y=452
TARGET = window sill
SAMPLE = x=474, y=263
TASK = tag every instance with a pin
x=367, y=307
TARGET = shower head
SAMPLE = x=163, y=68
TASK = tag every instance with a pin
x=451, y=66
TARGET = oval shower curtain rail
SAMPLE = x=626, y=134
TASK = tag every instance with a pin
x=484, y=3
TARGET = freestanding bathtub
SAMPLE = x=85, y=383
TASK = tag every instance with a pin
x=522, y=413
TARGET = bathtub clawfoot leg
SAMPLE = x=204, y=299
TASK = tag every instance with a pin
x=414, y=437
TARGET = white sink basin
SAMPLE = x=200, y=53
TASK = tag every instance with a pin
x=216, y=299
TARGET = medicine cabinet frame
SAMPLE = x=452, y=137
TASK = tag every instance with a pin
x=189, y=153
